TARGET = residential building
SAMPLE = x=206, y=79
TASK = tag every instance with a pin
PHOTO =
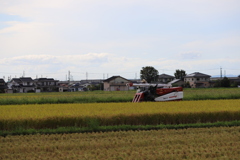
x=176, y=83
x=93, y=81
x=197, y=80
x=22, y=85
x=116, y=83
x=3, y=86
x=63, y=87
x=165, y=78
x=95, y=84
x=46, y=84
x=74, y=87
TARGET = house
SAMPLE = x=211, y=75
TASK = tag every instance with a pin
x=46, y=84
x=92, y=84
x=197, y=80
x=22, y=85
x=63, y=87
x=74, y=87
x=176, y=83
x=164, y=78
x=94, y=81
x=3, y=86
x=116, y=83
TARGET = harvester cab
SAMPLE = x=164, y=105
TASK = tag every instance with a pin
x=157, y=92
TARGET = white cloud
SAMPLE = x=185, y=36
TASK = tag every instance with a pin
x=21, y=27
x=190, y=55
x=99, y=63
x=119, y=36
x=86, y=59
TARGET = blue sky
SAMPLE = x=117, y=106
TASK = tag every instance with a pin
x=48, y=38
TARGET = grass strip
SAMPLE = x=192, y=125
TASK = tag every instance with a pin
x=65, y=130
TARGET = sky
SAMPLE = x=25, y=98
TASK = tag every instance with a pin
x=92, y=39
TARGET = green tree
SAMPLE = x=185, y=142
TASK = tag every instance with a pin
x=180, y=74
x=95, y=87
x=217, y=83
x=225, y=82
x=149, y=74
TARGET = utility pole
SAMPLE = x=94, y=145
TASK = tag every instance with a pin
x=69, y=77
x=221, y=72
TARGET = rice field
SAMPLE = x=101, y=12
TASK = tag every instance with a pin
x=79, y=109
x=37, y=116
x=207, y=143
x=110, y=96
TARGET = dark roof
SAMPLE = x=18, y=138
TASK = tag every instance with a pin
x=16, y=80
x=175, y=81
x=26, y=79
x=165, y=76
x=2, y=80
x=197, y=74
x=114, y=77
x=45, y=79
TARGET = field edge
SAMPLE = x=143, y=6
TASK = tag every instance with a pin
x=67, y=130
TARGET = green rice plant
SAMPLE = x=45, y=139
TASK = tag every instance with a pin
x=110, y=96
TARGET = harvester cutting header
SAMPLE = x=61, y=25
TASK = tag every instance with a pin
x=156, y=92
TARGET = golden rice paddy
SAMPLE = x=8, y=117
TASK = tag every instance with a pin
x=152, y=113
x=207, y=143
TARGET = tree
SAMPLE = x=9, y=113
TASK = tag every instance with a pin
x=180, y=74
x=225, y=82
x=148, y=73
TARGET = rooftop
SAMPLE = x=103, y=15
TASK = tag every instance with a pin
x=165, y=76
x=197, y=74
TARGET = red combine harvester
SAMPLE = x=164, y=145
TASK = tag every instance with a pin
x=157, y=92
